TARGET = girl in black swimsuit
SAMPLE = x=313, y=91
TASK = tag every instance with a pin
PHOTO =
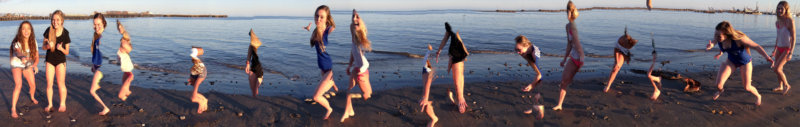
x=458, y=54
x=253, y=67
x=56, y=43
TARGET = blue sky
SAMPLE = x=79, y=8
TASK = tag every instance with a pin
x=305, y=7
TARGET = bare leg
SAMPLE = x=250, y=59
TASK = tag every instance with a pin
x=96, y=86
x=17, y=88
x=747, y=71
x=429, y=110
x=125, y=91
x=61, y=72
x=31, y=83
x=780, y=62
x=722, y=76
x=458, y=80
x=347, y=109
x=619, y=60
x=202, y=101
x=566, y=78
x=365, y=86
x=324, y=85
x=254, y=84
x=656, y=92
x=50, y=73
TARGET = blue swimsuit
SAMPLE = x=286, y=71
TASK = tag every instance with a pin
x=97, y=57
x=323, y=59
x=737, y=55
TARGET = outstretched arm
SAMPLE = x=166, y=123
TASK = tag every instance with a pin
x=749, y=43
x=444, y=41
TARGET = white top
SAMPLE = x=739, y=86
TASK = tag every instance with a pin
x=125, y=63
x=16, y=58
x=574, y=53
x=784, y=37
x=359, y=61
x=425, y=61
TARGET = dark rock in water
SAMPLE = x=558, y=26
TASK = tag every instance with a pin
x=212, y=83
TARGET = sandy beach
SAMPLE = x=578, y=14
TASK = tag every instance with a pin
x=491, y=104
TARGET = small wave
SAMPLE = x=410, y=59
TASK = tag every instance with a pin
x=592, y=55
x=157, y=69
x=490, y=52
x=399, y=53
x=242, y=67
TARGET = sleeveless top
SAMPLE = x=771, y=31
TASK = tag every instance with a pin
x=324, y=61
x=97, y=57
x=737, y=55
x=784, y=37
x=359, y=61
x=574, y=52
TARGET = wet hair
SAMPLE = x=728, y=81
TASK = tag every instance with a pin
x=97, y=35
x=786, y=12
x=728, y=31
x=571, y=9
x=317, y=35
x=521, y=39
x=31, y=40
x=360, y=35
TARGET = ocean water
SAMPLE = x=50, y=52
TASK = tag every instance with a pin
x=161, y=46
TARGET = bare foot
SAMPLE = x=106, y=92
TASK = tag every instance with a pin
x=758, y=100
x=777, y=89
x=557, y=108
x=450, y=94
x=347, y=114
x=47, y=109
x=14, y=113
x=655, y=95
x=327, y=115
x=608, y=87
x=433, y=122
x=716, y=95
x=62, y=108
x=34, y=101
x=540, y=109
x=529, y=111
x=202, y=105
x=527, y=88
x=785, y=92
x=123, y=95
x=104, y=112
x=462, y=106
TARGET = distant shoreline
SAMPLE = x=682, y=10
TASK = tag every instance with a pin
x=68, y=17
x=710, y=11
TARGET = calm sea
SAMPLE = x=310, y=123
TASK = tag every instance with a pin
x=162, y=45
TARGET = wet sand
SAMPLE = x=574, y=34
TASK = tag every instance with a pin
x=491, y=104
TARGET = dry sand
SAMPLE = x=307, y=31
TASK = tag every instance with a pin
x=491, y=104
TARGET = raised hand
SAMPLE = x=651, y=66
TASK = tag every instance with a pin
x=308, y=28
